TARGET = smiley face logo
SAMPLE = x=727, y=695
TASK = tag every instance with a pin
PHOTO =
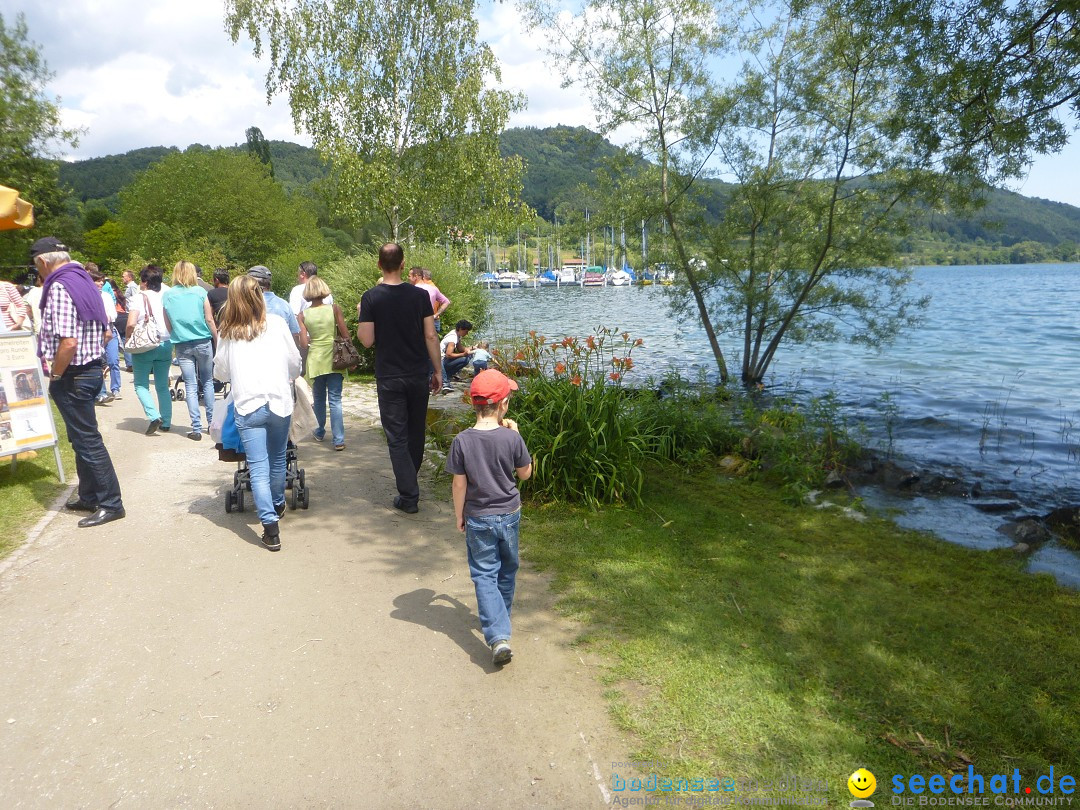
x=861, y=783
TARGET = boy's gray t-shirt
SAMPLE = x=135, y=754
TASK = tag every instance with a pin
x=488, y=459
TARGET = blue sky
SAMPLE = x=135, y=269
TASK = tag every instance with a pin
x=165, y=73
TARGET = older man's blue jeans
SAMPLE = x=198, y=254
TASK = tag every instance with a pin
x=492, y=541
x=74, y=394
x=265, y=436
x=197, y=365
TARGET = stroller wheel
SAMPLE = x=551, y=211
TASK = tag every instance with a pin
x=304, y=498
x=240, y=501
x=229, y=501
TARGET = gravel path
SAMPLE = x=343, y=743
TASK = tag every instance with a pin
x=169, y=660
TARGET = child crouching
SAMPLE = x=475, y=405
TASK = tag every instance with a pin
x=483, y=460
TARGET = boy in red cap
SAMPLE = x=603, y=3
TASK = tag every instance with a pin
x=483, y=460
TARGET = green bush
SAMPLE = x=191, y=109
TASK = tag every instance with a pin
x=588, y=438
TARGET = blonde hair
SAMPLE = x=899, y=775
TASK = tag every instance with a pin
x=244, y=315
x=315, y=288
x=183, y=273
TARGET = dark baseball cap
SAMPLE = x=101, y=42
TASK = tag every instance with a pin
x=46, y=244
x=259, y=273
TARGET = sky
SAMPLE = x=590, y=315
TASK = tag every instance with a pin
x=135, y=73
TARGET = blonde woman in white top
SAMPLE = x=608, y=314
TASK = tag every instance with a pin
x=259, y=357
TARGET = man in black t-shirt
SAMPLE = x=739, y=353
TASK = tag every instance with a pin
x=219, y=294
x=397, y=319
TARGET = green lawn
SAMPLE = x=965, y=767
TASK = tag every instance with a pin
x=27, y=494
x=749, y=638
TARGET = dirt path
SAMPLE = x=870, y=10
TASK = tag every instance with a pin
x=168, y=660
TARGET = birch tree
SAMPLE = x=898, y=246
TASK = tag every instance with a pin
x=398, y=97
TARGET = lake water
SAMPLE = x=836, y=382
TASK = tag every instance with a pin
x=987, y=387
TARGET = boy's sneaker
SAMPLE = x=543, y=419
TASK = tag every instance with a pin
x=501, y=653
x=448, y=389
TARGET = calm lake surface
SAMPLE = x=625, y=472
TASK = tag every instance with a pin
x=988, y=388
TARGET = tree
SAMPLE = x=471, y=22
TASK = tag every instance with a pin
x=981, y=83
x=807, y=244
x=259, y=148
x=395, y=95
x=30, y=131
x=215, y=197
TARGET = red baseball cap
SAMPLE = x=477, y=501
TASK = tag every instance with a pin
x=491, y=386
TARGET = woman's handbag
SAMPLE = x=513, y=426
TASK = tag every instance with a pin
x=345, y=354
x=144, y=337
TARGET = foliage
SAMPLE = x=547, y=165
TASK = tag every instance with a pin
x=350, y=277
x=30, y=130
x=397, y=96
x=587, y=441
x=808, y=235
x=218, y=199
x=258, y=147
x=560, y=160
x=982, y=84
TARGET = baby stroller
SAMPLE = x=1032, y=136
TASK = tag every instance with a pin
x=297, y=492
x=230, y=449
x=179, y=392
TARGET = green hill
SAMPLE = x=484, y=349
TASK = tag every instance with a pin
x=1010, y=227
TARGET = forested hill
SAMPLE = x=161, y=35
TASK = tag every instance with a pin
x=559, y=159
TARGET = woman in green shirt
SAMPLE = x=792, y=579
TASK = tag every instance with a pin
x=191, y=323
x=319, y=324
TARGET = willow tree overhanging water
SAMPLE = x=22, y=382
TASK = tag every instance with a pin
x=811, y=129
x=398, y=97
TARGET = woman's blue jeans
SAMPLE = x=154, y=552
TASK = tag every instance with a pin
x=492, y=541
x=265, y=436
x=112, y=362
x=157, y=361
x=196, y=359
x=321, y=387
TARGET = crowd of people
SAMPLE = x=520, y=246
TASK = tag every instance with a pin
x=240, y=333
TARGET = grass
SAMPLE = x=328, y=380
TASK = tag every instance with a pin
x=749, y=638
x=28, y=492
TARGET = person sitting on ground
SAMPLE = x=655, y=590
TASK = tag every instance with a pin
x=220, y=293
x=455, y=354
x=191, y=323
x=256, y=353
x=319, y=325
x=483, y=460
x=480, y=356
x=147, y=305
x=421, y=277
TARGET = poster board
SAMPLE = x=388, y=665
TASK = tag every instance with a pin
x=26, y=419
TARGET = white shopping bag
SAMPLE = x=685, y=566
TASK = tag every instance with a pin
x=219, y=417
x=303, y=415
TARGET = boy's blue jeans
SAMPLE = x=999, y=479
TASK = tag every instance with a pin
x=492, y=541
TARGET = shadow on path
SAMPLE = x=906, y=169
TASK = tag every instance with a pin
x=453, y=620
